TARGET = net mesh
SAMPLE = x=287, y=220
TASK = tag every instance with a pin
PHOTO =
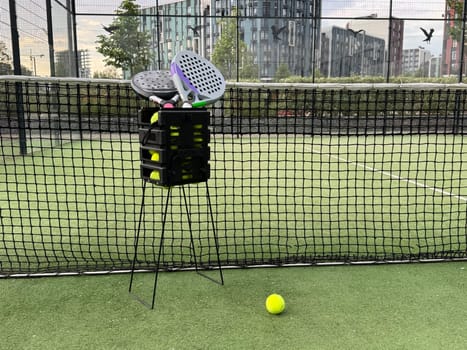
x=299, y=174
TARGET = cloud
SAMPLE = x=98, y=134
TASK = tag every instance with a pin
x=426, y=9
x=88, y=29
x=355, y=8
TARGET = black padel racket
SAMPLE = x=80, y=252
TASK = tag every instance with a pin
x=197, y=80
x=157, y=86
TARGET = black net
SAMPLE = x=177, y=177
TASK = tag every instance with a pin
x=299, y=174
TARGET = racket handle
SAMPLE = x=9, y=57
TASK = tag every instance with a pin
x=156, y=99
x=198, y=104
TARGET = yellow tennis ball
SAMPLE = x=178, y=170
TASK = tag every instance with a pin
x=155, y=175
x=155, y=118
x=155, y=156
x=275, y=304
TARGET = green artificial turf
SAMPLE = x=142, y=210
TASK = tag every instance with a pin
x=411, y=306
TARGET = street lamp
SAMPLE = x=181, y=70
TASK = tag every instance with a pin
x=363, y=52
x=33, y=62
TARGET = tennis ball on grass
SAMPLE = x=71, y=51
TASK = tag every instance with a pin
x=275, y=304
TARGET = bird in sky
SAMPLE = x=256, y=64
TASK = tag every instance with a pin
x=110, y=29
x=276, y=31
x=195, y=29
x=428, y=35
x=355, y=32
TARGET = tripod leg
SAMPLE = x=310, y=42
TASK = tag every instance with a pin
x=216, y=240
x=141, y=213
x=156, y=274
x=192, y=241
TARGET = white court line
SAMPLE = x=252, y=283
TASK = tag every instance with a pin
x=393, y=176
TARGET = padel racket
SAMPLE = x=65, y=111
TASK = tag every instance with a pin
x=197, y=80
x=157, y=86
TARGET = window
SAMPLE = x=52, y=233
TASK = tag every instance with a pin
x=266, y=9
x=291, y=33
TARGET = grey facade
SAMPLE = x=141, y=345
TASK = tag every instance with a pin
x=275, y=32
x=345, y=54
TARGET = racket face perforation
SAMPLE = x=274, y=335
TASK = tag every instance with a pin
x=202, y=74
x=154, y=83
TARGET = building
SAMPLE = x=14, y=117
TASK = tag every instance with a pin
x=451, y=59
x=172, y=30
x=274, y=32
x=84, y=66
x=416, y=62
x=282, y=33
x=434, y=70
x=391, y=31
x=346, y=53
x=65, y=64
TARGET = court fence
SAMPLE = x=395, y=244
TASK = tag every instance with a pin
x=300, y=174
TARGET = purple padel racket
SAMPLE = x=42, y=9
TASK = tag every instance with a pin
x=197, y=80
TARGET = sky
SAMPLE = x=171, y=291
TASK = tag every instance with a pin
x=417, y=13
x=34, y=42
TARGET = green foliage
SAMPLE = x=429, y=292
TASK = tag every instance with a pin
x=369, y=79
x=4, y=58
x=248, y=69
x=269, y=102
x=107, y=73
x=229, y=50
x=5, y=66
x=125, y=47
x=282, y=72
x=458, y=6
x=26, y=71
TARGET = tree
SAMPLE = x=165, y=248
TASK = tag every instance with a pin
x=248, y=69
x=107, y=73
x=458, y=8
x=5, y=63
x=124, y=46
x=455, y=8
x=229, y=51
x=5, y=69
x=5, y=66
x=4, y=58
x=282, y=72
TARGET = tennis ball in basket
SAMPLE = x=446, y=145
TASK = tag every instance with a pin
x=155, y=175
x=155, y=156
x=275, y=304
x=155, y=118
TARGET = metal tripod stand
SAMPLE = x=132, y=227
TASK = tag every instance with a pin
x=168, y=198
